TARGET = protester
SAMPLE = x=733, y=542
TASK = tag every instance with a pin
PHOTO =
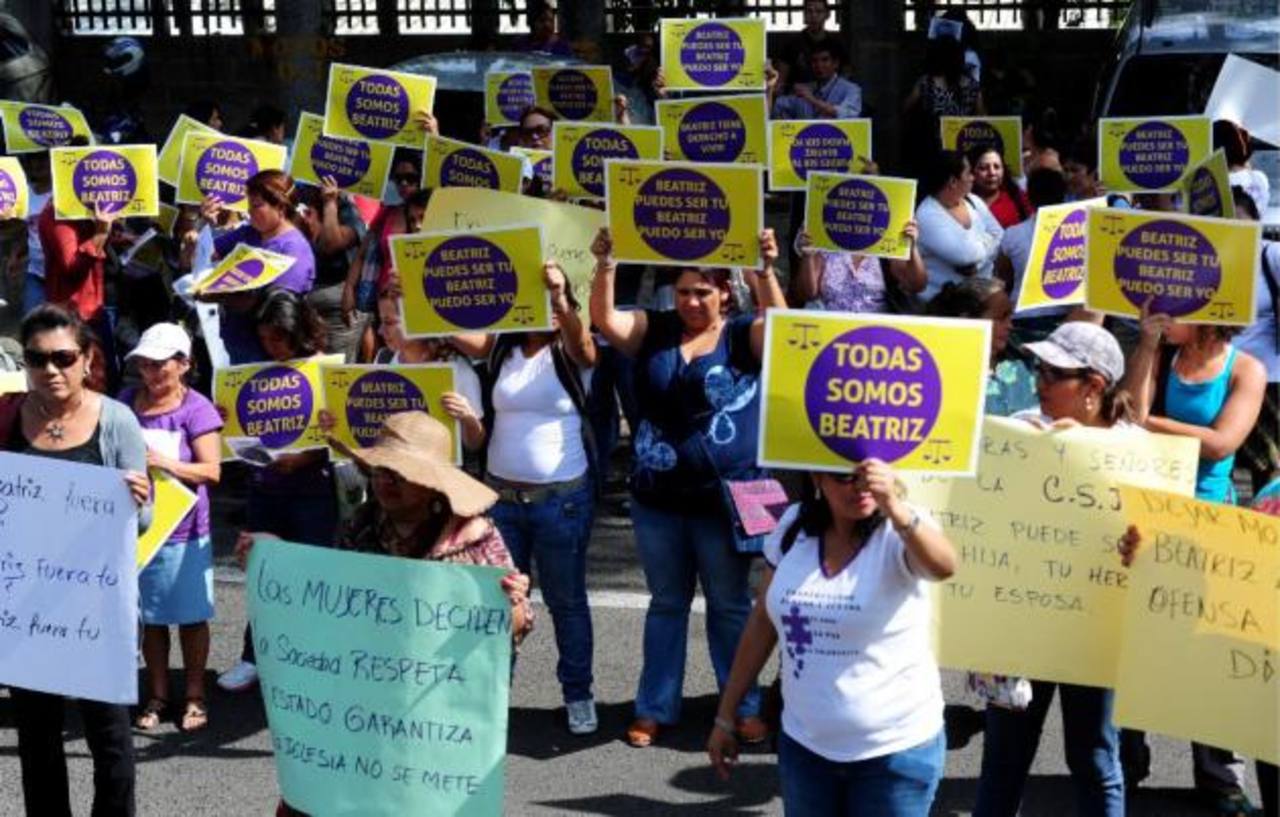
x=60, y=418
x=542, y=37
x=1233, y=140
x=794, y=60
x=1080, y=167
x=959, y=237
x=945, y=89
x=267, y=122
x=206, y=112
x=827, y=96
x=997, y=189
x=332, y=223
x=1261, y=339
x=850, y=282
x=176, y=589
x=1040, y=139
x=862, y=729
x=29, y=255
x=370, y=272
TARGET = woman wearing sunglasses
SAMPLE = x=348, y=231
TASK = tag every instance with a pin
x=60, y=418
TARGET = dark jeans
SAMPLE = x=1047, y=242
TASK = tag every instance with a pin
x=1269, y=783
x=108, y=731
x=901, y=784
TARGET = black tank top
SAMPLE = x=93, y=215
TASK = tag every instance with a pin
x=87, y=453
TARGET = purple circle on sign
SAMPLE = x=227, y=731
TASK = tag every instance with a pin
x=712, y=132
x=470, y=282
x=1154, y=155
x=275, y=406
x=346, y=160
x=855, y=214
x=375, y=396
x=223, y=170
x=106, y=179
x=515, y=93
x=974, y=134
x=1205, y=200
x=1171, y=262
x=250, y=269
x=694, y=227
x=542, y=170
x=1063, y=269
x=8, y=191
x=45, y=127
x=712, y=54
x=468, y=168
x=592, y=150
x=572, y=94
x=820, y=149
x=378, y=107
x=874, y=391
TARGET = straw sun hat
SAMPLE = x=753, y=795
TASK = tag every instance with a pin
x=417, y=446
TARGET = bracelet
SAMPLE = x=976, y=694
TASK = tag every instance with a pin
x=910, y=526
x=724, y=725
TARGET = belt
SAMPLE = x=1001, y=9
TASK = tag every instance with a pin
x=529, y=495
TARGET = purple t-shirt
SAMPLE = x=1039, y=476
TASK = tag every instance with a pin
x=195, y=417
x=238, y=334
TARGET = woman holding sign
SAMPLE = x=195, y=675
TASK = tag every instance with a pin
x=696, y=381
x=851, y=282
x=959, y=237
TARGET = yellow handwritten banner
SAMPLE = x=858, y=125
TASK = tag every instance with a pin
x=1039, y=590
x=685, y=214
x=577, y=94
x=1202, y=624
x=506, y=95
x=171, y=502
x=276, y=403
x=377, y=105
x=1004, y=133
x=1054, y=274
x=221, y=166
x=542, y=164
x=860, y=214
x=580, y=151
x=1206, y=190
x=840, y=388
x=360, y=398
x=798, y=147
x=11, y=382
x=715, y=129
x=1152, y=154
x=358, y=167
x=14, y=193
x=726, y=54
x=169, y=163
x=244, y=269
x=121, y=179
x=1198, y=270
x=32, y=128
x=472, y=281
x=450, y=163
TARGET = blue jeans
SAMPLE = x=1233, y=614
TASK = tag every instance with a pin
x=676, y=550
x=901, y=784
x=1092, y=749
x=32, y=292
x=554, y=533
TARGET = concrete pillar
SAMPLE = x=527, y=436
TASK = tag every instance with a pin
x=300, y=58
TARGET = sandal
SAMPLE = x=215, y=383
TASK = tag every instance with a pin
x=195, y=716
x=642, y=732
x=149, y=718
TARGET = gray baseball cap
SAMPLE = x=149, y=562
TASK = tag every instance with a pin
x=1081, y=345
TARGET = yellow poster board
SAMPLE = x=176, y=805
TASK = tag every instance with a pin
x=121, y=179
x=32, y=128
x=360, y=398
x=715, y=129
x=685, y=214
x=580, y=93
x=221, y=166
x=1201, y=629
x=1054, y=274
x=1004, y=133
x=358, y=167
x=724, y=54
x=506, y=95
x=472, y=281
x=1152, y=154
x=244, y=269
x=1039, y=591
x=167, y=219
x=11, y=382
x=542, y=165
x=15, y=196
x=274, y=405
x=1195, y=269
x=450, y=163
x=840, y=388
x=377, y=105
x=1206, y=190
x=580, y=151
x=171, y=502
x=798, y=147
x=860, y=214
x=169, y=163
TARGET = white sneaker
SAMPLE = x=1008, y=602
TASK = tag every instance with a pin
x=582, y=716
x=239, y=678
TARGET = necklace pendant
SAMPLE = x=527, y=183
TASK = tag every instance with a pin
x=55, y=431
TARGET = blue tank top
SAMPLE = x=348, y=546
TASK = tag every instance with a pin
x=1200, y=404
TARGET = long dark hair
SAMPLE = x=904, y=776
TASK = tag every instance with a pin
x=1007, y=184
x=815, y=515
x=50, y=318
x=290, y=314
x=943, y=166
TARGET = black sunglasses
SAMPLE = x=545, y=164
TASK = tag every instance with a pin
x=1055, y=374
x=62, y=358
x=536, y=130
x=405, y=178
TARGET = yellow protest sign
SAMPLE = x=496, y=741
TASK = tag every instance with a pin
x=32, y=128
x=121, y=179
x=798, y=147
x=1152, y=154
x=358, y=167
x=840, y=388
x=275, y=406
x=725, y=54
x=580, y=151
x=715, y=128
x=506, y=95
x=244, y=269
x=450, y=163
x=221, y=166
x=377, y=105
x=685, y=214
x=472, y=281
x=167, y=219
x=1206, y=190
x=1004, y=133
x=169, y=163
x=1202, y=624
x=14, y=193
x=1036, y=532
x=860, y=214
x=577, y=94
x=542, y=164
x=1195, y=269
x=171, y=502
x=567, y=229
x=11, y=382
x=1054, y=274
x=360, y=398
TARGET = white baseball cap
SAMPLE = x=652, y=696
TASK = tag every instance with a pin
x=162, y=341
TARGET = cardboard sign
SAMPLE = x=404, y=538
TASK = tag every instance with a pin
x=14, y=192
x=798, y=147
x=121, y=180
x=377, y=105
x=506, y=95
x=1206, y=191
x=171, y=502
x=450, y=163
x=276, y=404
x=1055, y=271
x=542, y=165
x=576, y=94
x=169, y=162
x=360, y=398
x=243, y=270
x=32, y=128
x=221, y=166
x=1153, y=154
x=715, y=129
x=580, y=151
x=1004, y=133
x=358, y=167
x=725, y=54
x=860, y=214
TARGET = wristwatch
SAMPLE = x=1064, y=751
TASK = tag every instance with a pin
x=910, y=526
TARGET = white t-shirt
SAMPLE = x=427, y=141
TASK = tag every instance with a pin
x=859, y=678
x=537, y=431
x=946, y=245
x=465, y=382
